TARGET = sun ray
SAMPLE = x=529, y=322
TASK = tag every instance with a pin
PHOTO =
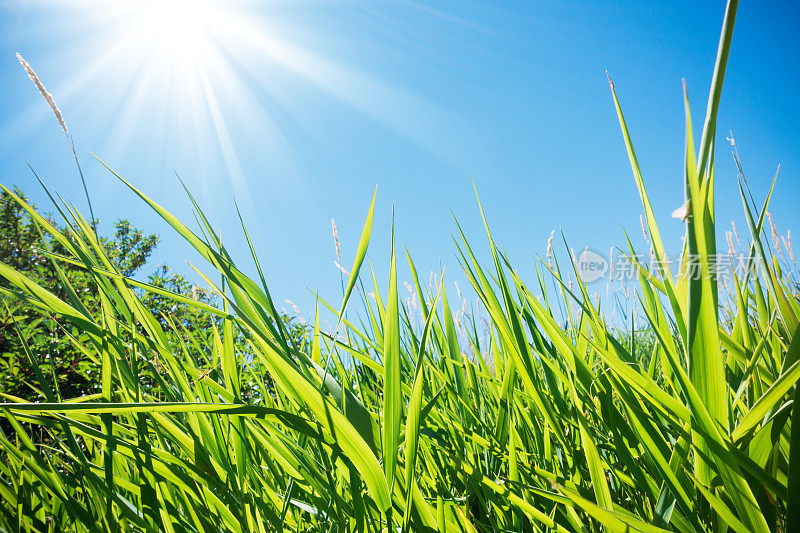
x=227, y=147
x=202, y=74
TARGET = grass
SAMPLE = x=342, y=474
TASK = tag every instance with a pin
x=563, y=426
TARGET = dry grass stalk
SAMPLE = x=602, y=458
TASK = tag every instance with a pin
x=736, y=233
x=336, y=241
x=776, y=241
x=343, y=269
x=296, y=310
x=731, y=247
x=458, y=291
x=47, y=96
x=644, y=229
x=611, y=267
x=57, y=112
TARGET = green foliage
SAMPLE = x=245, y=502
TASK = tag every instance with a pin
x=24, y=247
x=545, y=422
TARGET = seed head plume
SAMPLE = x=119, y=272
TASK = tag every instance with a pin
x=736, y=233
x=775, y=237
x=409, y=305
x=296, y=310
x=788, y=245
x=336, y=240
x=731, y=247
x=550, y=249
x=46, y=95
x=343, y=269
x=610, y=269
x=57, y=112
x=644, y=229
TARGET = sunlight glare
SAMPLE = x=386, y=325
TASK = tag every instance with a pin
x=175, y=31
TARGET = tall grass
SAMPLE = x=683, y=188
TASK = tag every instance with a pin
x=381, y=424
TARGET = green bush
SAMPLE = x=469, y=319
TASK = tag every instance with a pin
x=23, y=247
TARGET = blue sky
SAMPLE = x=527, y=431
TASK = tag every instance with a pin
x=298, y=109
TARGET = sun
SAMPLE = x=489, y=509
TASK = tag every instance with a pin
x=178, y=32
x=198, y=80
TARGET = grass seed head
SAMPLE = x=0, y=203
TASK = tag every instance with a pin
x=343, y=269
x=296, y=310
x=46, y=95
x=336, y=240
x=644, y=229
x=736, y=233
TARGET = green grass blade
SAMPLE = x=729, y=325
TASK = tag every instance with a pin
x=392, y=393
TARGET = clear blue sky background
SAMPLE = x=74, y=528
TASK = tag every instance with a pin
x=300, y=122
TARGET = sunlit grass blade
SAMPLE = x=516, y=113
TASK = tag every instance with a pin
x=361, y=252
x=415, y=407
x=392, y=393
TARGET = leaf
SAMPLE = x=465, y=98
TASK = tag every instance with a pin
x=767, y=401
x=361, y=252
x=392, y=393
x=415, y=407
